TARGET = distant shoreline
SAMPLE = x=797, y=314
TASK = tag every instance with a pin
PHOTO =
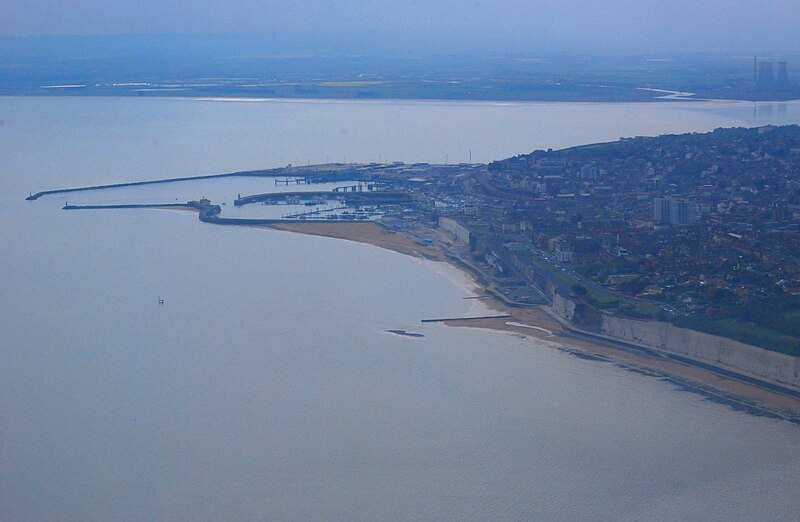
x=221, y=98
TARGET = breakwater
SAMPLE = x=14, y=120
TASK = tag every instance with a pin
x=210, y=213
x=313, y=174
x=271, y=172
x=133, y=205
x=207, y=212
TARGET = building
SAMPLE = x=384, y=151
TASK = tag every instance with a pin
x=461, y=235
x=682, y=212
x=564, y=253
x=674, y=211
x=661, y=210
x=590, y=172
x=607, y=241
x=562, y=250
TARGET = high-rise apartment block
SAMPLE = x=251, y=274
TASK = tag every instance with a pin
x=674, y=211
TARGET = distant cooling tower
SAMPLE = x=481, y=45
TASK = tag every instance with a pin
x=765, y=77
x=783, y=77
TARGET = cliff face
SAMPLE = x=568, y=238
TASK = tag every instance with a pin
x=712, y=349
x=563, y=307
x=650, y=333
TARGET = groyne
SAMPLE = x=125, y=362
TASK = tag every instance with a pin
x=448, y=319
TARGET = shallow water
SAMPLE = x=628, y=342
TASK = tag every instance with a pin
x=267, y=387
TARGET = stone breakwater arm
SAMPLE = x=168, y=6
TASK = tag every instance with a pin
x=249, y=173
x=315, y=172
x=130, y=205
x=207, y=212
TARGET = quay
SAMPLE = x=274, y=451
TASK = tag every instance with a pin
x=349, y=197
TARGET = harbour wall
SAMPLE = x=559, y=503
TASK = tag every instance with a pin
x=308, y=172
x=251, y=173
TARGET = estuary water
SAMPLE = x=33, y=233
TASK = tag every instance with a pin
x=266, y=386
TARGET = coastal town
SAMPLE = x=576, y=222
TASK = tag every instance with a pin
x=695, y=230
x=698, y=229
x=677, y=246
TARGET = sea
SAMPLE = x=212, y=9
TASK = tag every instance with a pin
x=267, y=387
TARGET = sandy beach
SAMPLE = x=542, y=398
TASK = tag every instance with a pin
x=535, y=322
x=370, y=233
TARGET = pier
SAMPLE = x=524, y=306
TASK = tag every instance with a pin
x=292, y=181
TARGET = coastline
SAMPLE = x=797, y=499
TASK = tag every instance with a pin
x=535, y=322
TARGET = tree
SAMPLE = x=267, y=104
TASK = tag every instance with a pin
x=579, y=290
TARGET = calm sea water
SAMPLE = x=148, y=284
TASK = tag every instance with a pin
x=266, y=387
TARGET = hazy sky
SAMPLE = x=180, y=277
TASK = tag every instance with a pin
x=612, y=26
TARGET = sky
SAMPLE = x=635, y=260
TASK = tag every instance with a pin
x=571, y=26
